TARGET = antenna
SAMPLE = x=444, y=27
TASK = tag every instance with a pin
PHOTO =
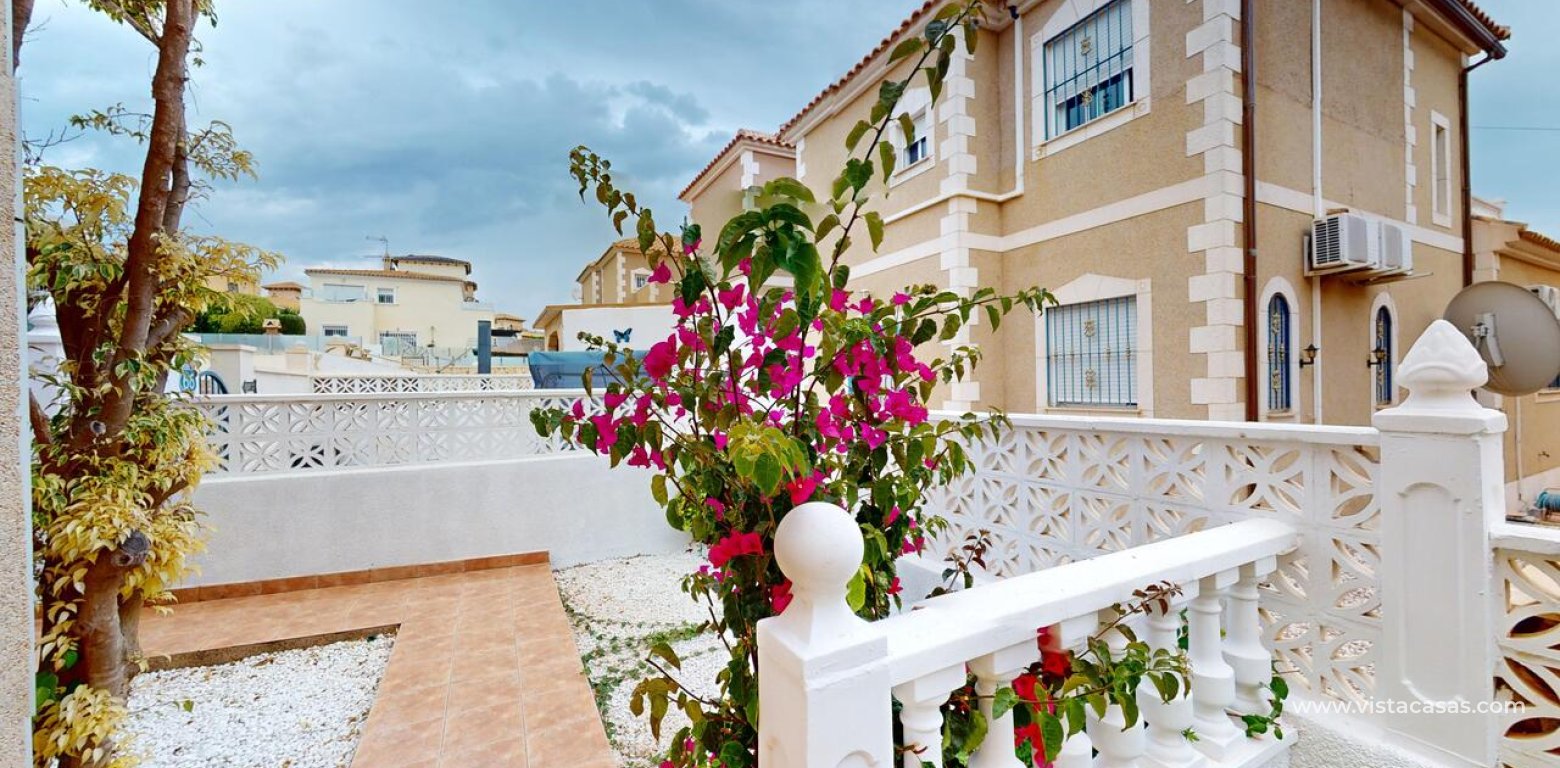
x=383, y=240
x=1516, y=333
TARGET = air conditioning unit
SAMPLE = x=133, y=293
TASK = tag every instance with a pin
x=1397, y=249
x=1345, y=242
x=1550, y=295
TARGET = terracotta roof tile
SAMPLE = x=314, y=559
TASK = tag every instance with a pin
x=285, y=285
x=743, y=134
x=834, y=87
x=1500, y=31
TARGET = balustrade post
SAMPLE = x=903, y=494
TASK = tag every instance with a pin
x=823, y=671
x=1243, y=648
x=992, y=672
x=1213, y=680
x=1120, y=746
x=1077, y=751
x=1441, y=490
x=920, y=713
x=1167, y=746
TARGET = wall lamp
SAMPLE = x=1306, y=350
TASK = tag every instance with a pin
x=1308, y=355
x=1378, y=356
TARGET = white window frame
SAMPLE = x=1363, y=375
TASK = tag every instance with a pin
x=338, y=331
x=1381, y=300
x=918, y=103
x=1279, y=286
x=1093, y=287
x=1063, y=18
x=379, y=296
x=1440, y=170
x=638, y=279
x=362, y=293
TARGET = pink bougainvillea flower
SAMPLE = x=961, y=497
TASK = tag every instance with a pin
x=745, y=266
x=720, y=509
x=691, y=248
x=893, y=514
x=613, y=399
x=720, y=440
x=662, y=274
x=606, y=432
x=893, y=586
x=578, y=409
x=730, y=297
x=802, y=487
x=660, y=359
x=901, y=298
x=837, y=300
x=735, y=545
x=780, y=596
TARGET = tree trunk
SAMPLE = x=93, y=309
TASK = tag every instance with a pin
x=21, y=16
x=130, y=628
x=103, y=663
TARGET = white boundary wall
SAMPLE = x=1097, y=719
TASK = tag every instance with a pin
x=280, y=525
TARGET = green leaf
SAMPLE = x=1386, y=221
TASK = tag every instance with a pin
x=856, y=132
x=658, y=489
x=586, y=377
x=1051, y=731
x=665, y=652
x=1279, y=687
x=766, y=473
x=875, y=228
x=856, y=591
x=187, y=705
x=887, y=156
x=905, y=48
x=1004, y=700
x=826, y=225
x=907, y=127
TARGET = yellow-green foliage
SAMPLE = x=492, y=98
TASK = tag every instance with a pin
x=88, y=497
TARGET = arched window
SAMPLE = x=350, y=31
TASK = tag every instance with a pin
x=1382, y=356
x=1280, y=388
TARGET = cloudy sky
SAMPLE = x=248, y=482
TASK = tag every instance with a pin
x=446, y=127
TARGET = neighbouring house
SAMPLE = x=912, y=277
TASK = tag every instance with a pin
x=234, y=284
x=409, y=303
x=286, y=294
x=503, y=321
x=615, y=300
x=1508, y=251
x=1099, y=148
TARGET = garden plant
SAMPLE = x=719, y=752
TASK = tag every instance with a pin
x=782, y=384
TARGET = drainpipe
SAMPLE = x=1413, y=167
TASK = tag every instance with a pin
x=1248, y=168
x=1317, y=206
x=1467, y=165
x=1020, y=157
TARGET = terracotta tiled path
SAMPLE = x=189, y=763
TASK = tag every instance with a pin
x=484, y=673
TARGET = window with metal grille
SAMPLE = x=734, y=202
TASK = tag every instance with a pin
x=1280, y=396
x=1088, y=69
x=1383, y=352
x=1091, y=353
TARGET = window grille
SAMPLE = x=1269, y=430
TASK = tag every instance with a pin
x=334, y=330
x=386, y=295
x=1384, y=389
x=1280, y=397
x=1091, y=353
x=1088, y=69
x=394, y=343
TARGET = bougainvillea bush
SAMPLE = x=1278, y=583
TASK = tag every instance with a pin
x=782, y=384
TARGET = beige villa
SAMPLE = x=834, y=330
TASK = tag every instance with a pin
x=409, y=302
x=1106, y=149
x=613, y=298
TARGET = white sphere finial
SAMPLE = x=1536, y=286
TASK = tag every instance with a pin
x=819, y=547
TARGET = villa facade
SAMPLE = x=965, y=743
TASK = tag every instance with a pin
x=409, y=302
x=1098, y=149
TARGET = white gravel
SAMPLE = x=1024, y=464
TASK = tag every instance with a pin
x=302, y=708
x=619, y=608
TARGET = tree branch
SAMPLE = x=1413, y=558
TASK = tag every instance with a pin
x=42, y=435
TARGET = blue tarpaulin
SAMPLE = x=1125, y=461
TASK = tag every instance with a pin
x=566, y=370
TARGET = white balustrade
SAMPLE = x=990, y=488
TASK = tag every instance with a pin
x=362, y=383
x=299, y=433
x=1167, y=746
x=1119, y=745
x=827, y=677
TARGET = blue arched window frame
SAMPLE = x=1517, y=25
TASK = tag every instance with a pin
x=1383, y=341
x=1279, y=353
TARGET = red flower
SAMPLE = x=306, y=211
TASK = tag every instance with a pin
x=662, y=274
x=735, y=545
x=780, y=596
x=660, y=359
x=1024, y=686
x=802, y=488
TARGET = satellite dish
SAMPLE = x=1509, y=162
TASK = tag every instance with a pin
x=1516, y=333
